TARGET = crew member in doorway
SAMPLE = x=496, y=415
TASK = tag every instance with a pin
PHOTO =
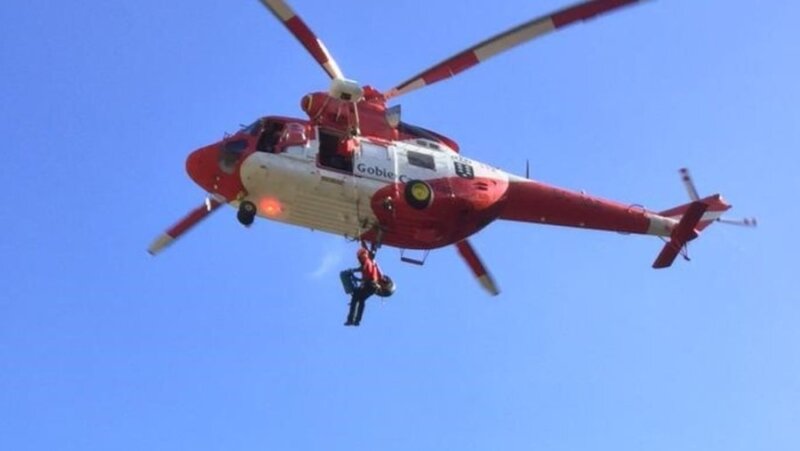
x=370, y=279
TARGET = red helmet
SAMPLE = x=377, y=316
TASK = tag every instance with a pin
x=362, y=253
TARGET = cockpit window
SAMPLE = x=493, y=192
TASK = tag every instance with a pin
x=230, y=154
x=294, y=134
x=253, y=128
x=270, y=136
x=235, y=146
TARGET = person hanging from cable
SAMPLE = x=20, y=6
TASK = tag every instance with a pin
x=370, y=284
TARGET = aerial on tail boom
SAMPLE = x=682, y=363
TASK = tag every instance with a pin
x=354, y=168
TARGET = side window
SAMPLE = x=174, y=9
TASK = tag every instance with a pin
x=270, y=136
x=294, y=134
x=421, y=160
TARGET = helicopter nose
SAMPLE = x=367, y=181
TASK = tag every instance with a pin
x=201, y=165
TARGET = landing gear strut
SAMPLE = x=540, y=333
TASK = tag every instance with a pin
x=247, y=213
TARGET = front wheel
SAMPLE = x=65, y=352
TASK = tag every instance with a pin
x=247, y=213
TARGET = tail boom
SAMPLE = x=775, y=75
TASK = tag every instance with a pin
x=530, y=201
x=535, y=202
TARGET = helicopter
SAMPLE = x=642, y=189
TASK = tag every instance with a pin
x=354, y=168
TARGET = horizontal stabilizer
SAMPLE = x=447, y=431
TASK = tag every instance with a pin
x=716, y=207
x=682, y=234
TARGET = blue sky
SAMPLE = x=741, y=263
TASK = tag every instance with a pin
x=233, y=338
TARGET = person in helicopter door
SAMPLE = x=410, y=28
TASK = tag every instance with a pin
x=370, y=283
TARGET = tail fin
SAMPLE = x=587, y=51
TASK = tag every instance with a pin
x=693, y=218
x=716, y=207
x=685, y=231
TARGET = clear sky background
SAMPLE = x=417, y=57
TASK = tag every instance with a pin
x=233, y=338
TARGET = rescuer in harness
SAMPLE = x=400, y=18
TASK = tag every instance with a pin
x=372, y=282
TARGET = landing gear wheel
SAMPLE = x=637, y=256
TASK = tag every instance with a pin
x=418, y=194
x=247, y=213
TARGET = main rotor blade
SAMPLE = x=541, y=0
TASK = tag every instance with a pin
x=471, y=257
x=307, y=38
x=507, y=40
x=182, y=226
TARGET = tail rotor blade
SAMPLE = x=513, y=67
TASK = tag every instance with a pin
x=744, y=222
x=284, y=13
x=182, y=226
x=688, y=182
x=471, y=257
x=505, y=41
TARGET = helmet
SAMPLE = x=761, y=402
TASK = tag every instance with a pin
x=362, y=253
x=386, y=287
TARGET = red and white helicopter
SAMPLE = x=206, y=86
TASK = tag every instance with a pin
x=353, y=168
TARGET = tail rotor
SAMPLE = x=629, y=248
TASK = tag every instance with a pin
x=688, y=182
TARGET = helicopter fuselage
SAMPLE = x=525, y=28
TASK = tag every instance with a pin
x=358, y=187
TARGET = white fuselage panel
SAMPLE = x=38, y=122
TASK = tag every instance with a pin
x=292, y=187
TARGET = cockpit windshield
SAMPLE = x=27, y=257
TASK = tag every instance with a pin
x=253, y=128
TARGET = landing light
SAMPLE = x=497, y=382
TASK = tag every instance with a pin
x=270, y=207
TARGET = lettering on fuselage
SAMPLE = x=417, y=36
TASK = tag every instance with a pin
x=379, y=172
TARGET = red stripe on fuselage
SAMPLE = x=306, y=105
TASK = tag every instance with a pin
x=460, y=208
